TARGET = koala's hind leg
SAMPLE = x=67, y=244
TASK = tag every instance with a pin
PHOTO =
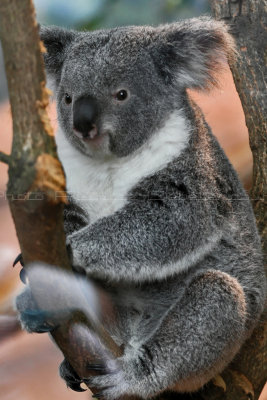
x=196, y=340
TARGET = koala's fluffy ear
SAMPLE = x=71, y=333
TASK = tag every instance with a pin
x=193, y=51
x=56, y=41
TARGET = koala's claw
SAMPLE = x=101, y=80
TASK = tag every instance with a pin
x=22, y=274
x=19, y=259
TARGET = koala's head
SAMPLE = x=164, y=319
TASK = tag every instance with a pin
x=115, y=88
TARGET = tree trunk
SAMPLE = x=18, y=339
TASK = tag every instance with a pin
x=36, y=187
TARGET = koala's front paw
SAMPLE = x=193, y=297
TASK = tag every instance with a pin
x=109, y=382
x=112, y=380
x=32, y=319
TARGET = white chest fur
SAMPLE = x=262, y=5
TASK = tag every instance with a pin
x=101, y=187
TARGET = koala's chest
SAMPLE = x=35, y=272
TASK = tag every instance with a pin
x=100, y=189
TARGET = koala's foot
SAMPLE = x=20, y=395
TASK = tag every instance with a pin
x=33, y=319
x=36, y=321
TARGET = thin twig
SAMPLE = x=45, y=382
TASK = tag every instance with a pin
x=4, y=158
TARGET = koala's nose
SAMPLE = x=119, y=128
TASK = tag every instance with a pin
x=84, y=115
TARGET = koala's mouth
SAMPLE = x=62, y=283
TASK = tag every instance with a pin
x=87, y=135
x=93, y=136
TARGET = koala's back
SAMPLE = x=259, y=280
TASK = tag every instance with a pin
x=239, y=252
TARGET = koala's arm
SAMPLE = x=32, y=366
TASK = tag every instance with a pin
x=149, y=236
x=74, y=217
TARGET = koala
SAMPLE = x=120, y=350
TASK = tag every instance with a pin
x=157, y=215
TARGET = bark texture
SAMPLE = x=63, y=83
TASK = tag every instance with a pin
x=36, y=187
x=247, y=375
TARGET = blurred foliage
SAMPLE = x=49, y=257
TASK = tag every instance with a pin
x=94, y=14
x=140, y=12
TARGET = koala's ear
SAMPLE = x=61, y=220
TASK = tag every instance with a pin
x=193, y=51
x=56, y=41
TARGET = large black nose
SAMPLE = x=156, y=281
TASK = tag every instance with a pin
x=84, y=114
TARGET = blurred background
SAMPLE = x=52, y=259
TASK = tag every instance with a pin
x=29, y=363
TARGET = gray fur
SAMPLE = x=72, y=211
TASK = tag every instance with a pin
x=180, y=255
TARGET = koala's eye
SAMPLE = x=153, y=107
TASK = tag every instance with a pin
x=68, y=98
x=122, y=95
